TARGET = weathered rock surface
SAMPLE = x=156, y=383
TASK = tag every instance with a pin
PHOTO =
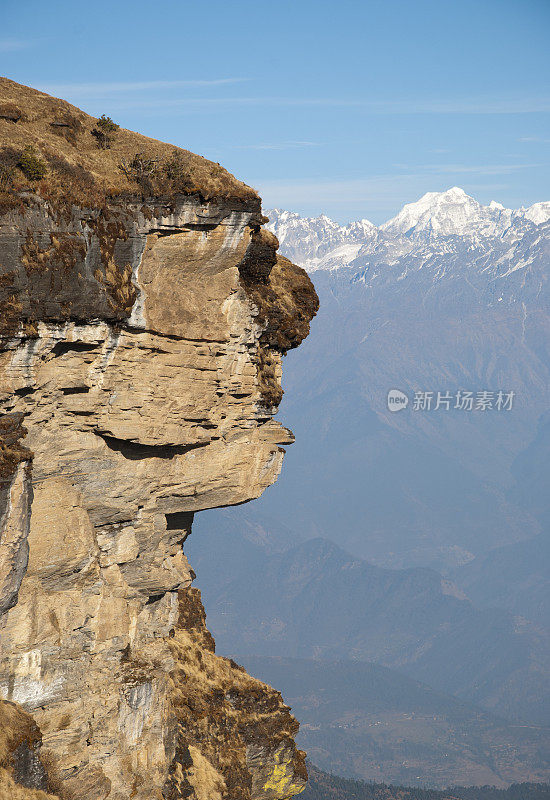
x=142, y=333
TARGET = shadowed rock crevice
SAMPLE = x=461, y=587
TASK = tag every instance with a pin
x=76, y=390
x=179, y=520
x=134, y=451
x=62, y=348
x=15, y=502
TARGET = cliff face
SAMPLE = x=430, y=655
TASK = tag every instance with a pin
x=143, y=323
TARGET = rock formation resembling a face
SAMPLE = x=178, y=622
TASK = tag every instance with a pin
x=145, y=358
x=142, y=424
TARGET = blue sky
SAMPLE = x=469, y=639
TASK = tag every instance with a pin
x=348, y=108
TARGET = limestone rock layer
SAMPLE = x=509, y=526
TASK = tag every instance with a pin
x=142, y=327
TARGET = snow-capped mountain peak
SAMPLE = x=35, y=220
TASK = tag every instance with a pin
x=448, y=213
x=362, y=227
x=537, y=213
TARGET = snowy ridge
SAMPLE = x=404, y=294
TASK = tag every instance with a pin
x=438, y=222
x=328, y=244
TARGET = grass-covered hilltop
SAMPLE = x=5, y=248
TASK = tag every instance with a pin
x=50, y=147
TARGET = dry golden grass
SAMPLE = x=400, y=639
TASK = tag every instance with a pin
x=13, y=791
x=59, y=130
x=222, y=711
x=16, y=727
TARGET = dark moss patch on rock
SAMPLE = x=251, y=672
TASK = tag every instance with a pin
x=286, y=302
x=20, y=760
x=12, y=452
x=260, y=257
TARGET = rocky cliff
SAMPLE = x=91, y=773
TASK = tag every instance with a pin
x=144, y=314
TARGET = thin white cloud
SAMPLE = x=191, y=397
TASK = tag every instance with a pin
x=480, y=169
x=398, y=108
x=278, y=146
x=401, y=106
x=371, y=195
x=103, y=89
x=12, y=45
x=519, y=105
x=537, y=139
x=283, y=194
x=213, y=103
x=487, y=105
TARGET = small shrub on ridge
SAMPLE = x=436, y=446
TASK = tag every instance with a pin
x=105, y=132
x=31, y=165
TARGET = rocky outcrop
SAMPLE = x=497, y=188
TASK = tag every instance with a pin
x=143, y=324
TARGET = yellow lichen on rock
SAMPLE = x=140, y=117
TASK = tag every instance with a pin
x=281, y=783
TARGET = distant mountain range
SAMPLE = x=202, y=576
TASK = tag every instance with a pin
x=449, y=296
x=453, y=217
x=513, y=577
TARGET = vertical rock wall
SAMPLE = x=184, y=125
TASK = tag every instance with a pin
x=141, y=346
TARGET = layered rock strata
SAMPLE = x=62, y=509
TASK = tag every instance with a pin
x=142, y=330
